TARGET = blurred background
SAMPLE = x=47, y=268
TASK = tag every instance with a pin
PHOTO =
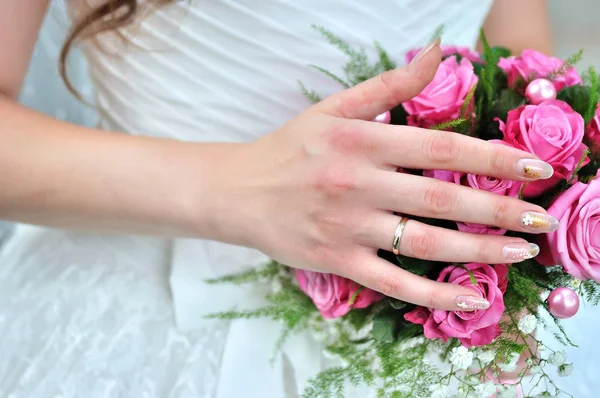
x=575, y=26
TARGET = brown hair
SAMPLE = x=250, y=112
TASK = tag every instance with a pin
x=112, y=15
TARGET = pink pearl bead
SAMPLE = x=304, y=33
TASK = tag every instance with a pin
x=385, y=118
x=563, y=302
x=540, y=90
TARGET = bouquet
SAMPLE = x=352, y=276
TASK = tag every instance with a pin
x=529, y=101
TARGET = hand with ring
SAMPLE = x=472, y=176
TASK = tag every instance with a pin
x=322, y=193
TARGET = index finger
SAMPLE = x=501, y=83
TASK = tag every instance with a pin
x=383, y=92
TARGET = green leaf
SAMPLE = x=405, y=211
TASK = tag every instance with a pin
x=358, y=318
x=416, y=265
x=589, y=170
x=408, y=331
x=399, y=116
x=383, y=327
x=478, y=69
x=396, y=304
x=593, y=101
x=508, y=100
x=578, y=97
x=491, y=81
x=501, y=52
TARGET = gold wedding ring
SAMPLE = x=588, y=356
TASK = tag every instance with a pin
x=398, y=235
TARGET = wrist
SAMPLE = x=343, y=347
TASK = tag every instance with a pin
x=221, y=202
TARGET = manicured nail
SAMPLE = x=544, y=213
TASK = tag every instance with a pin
x=515, y=252
x=539, y=222
x=425, y=50
x=471, y=303
x=534, y=169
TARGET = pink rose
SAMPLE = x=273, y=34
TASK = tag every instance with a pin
x=490, y=184
x=447, y=51
x=551, y=130
x=332, y=293
x=472, y=328
x=576, y=243
x=533, y=64
x=442, y=100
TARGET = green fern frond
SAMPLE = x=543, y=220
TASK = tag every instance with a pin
x=384, y=59
x=449, y=125
x=358, y=68
x=590, y=290
x=574, y=59
x=568, y=64
x=267, y=272
x=310, y=94
x=336, y=41
x=331, y=75
x=438, y=32
x=579, y=164
x=593, y=104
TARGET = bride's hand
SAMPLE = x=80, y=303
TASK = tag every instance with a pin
x=320, y=193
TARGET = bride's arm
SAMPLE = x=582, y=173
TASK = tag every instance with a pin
x=520, y=24
x=59, y=174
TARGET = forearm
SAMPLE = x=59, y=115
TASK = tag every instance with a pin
x=519, y=25
x=63, y=175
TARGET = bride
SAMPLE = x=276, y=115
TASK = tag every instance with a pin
x=224, y=164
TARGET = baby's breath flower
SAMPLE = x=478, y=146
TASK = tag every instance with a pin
x=485, y=390
x=487, y=356
x=461, y=357
x=439, y=391
x=511, y=362
x=507, y=391
x=575, y=283
x=529, y=361
x=565, y=370
x=541, y=347
x=534, y=370
x=462, y=392
x=544, y=394
x=472, y=380
x=558, y=358
x=527, y=323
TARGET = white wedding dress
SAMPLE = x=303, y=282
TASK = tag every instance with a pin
x=84, y=315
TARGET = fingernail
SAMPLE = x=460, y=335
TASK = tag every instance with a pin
x=539, y=222
x=515, y=252
x=471, y=303
x=425, y=50
x=534, y=169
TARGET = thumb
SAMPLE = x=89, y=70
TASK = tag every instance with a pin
x=383, y=92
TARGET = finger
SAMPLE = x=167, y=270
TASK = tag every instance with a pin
x=427, y=242
x=368, y=99
x=417, y=148
x=428, y=197
x=384, y=277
